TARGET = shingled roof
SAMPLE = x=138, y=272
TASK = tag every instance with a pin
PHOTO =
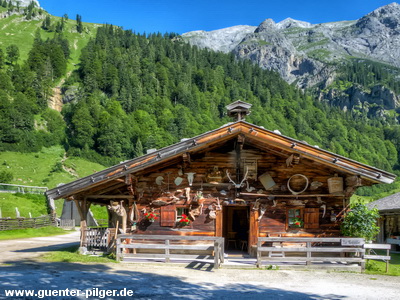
x=387, y=204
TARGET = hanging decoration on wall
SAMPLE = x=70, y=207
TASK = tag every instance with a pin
x=266, y=180
x=178, y=180
x=297, y=184
x=263, y=209
x=214, y=176
x=292, y=160
x=187, y=195
x=256, y=204
x=237, y=185
x=324, y=208
x=159, y=203
x=159, y=180
x=315, y=185
x=335, y=184
x=190, y=177
x=249, y=188
x=118, y=214
x=251, y=166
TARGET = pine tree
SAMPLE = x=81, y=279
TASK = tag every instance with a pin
x=12, y=53
x=138, y=151
x=2, y=58
x=79, y=26
x=46, y=23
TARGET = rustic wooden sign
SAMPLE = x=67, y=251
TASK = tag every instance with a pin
x=352, y=242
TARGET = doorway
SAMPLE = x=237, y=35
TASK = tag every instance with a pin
x=236, y=227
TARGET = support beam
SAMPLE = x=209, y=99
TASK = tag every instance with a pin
x=110, y=197
x=290, y=196
x=82, y=210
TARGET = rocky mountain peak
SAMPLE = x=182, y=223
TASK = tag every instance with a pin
x=292, y=23
x=385, y=16
x=25, y=3
x=392, y=8
x=267, y=25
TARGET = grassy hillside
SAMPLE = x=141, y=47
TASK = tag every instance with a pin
x=47, y=168
x=34, y=204
x=16, y=30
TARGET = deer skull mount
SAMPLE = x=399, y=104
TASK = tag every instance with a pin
x=237, y=185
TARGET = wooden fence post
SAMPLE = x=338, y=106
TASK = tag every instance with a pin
x=308, y=262
x=387, y=261
x=167, y=257
x=216, y=255
x=118, y=249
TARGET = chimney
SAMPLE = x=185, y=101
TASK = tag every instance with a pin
x=238, y=110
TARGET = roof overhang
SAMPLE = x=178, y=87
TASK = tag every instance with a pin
x=226, y=132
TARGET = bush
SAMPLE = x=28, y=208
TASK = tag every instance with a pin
x=361, y=222
x=6, y=176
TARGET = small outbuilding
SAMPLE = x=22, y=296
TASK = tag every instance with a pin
x=389, y=223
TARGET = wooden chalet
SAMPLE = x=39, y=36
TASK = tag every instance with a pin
x=240, y=181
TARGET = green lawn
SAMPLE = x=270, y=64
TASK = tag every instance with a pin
x=71, y=255
x=379, y=267
x=31, y=232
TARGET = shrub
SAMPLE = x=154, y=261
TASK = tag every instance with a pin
x=361, y=222
x=6, y=176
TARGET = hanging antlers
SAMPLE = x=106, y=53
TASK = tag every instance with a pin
x=238, y=185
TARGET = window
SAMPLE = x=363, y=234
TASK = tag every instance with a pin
x=295, y=217
x=181, y=211
x=300, y=217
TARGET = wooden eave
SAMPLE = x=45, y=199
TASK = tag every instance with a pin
x=258, y=136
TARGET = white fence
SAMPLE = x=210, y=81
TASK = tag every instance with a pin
x=24, y=189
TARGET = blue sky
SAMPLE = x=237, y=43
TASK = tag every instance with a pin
x=184, y=15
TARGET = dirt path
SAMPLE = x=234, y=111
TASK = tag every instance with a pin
x=67, y=169
x=55, y=101
x=18, y=250
x=194, y=281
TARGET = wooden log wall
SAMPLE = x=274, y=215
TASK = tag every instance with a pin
x=170, y=185
x=200, y=226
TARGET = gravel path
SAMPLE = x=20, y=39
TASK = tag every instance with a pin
x=161, y=281
x=17, y=250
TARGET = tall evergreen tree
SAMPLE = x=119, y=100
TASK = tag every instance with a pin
x=12, y=54
x=79, y=25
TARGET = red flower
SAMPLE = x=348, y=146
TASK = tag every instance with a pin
x=146, y=214
x=184, y=216
x=297, y=223
x=297, y=216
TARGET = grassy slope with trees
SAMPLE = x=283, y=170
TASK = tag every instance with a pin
x=134, y=92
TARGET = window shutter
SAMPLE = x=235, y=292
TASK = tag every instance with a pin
x=168, y=215
x=311, y=217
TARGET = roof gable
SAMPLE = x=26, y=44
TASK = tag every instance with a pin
x=258, y=136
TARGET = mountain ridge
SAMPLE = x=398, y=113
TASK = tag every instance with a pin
x=303, y=53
